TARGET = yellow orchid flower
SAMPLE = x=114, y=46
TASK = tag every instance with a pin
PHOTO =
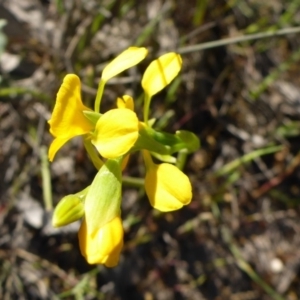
x=127, y=59
x=104, y=247
x=116, y=132
x=68, y=120
x=161, y=72
x=166, y=186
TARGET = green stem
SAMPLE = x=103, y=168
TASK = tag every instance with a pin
x=14, y=92
x=46, y=179
x=231, y=166
x=238, y=39
x=146, y=108
x=133, y=181
x=181, y=159
x=148, y=159
x=99, y=95
x=97, y=162
x=82, y=194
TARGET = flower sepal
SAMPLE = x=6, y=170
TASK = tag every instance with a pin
x=92, y=116
x=147, y=141
x=103, y=200
x=190, y=141
x=164, y=143
x=165, y=158
x=182, y=140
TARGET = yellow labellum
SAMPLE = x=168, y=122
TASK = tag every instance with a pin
x=127, y=59
x=166, y=186
x=161, y=72
x=68, y=120
x=116, y=132
x=104, y=247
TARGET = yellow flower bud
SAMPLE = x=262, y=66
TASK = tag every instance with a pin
x=105, y=245
x=166, y=186
x=68, y=210
x=127, y=59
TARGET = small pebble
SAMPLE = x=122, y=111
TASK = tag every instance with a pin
x=276, y=265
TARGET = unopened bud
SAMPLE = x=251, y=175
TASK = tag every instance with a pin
x=68, y=210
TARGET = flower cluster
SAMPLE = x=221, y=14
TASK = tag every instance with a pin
x=109, y=138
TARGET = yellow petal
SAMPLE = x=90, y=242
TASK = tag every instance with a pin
x=166, y=186
x=104, y=247
x=68, y=120
x=125, y=102
x=56, y=144
x=127, y=59
x=116, y=132
x=161, y=72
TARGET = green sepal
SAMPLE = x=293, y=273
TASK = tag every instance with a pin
x=103, y=200
x=165, y=158
x=151, y=122
x=189, y=139
x=92, y=116
x=182, y=140
x=160, y=142
x=93, y=154
x=69, y=209
x=147, y=141
x=164, y=143
x=166, y=138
